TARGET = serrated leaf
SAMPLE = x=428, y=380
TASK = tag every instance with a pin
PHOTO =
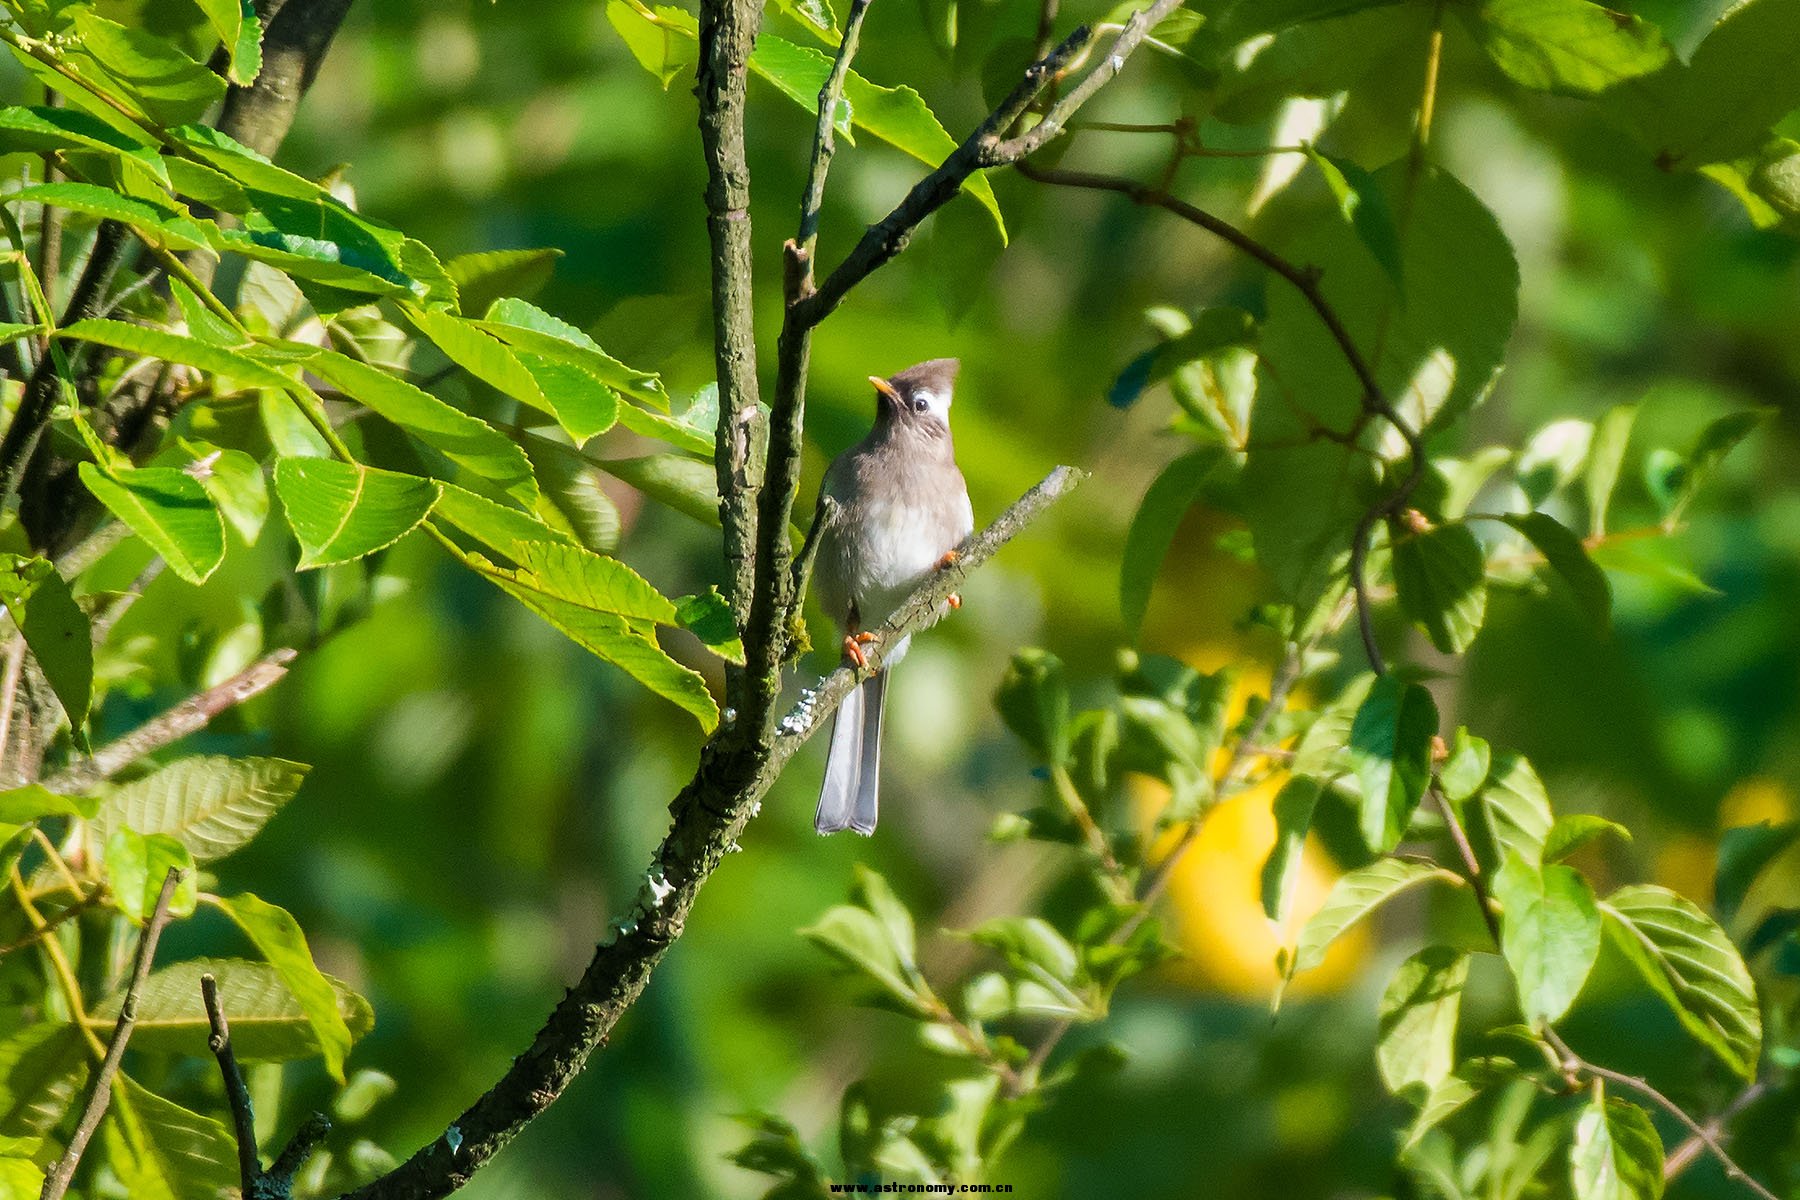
x=236, y=485
x=582, y=405
x=1512, y=813
x=161, y=1151
x=504, y=529
x=176, y=348
x=858, y=939
x=169, y=510
x=1569, y=558
x=1441, y=577
x=1689, y=961
x=42, y=1065
x=137, y=865
x=1616, y=1154
x=529, y=328
x=1390, y=752
x=1354, y=896
x=267, y=1022
x=280, y=940
x=55, y=629
x=212, y=805
x=1153, y=527
x=463, y=439
x=161, y=225
x=1570, y=47
x=687, y=485
x=487, y=276
x=708, y=616
x=153, y=75
x=342, y=511
x=1550, y=934
x=1416, y=1046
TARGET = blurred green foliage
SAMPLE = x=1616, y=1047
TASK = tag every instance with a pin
x=484, y=794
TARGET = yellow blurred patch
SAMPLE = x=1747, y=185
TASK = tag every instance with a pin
x=1754, y=801
x=1215, y=902
x=1215, y=892
x=1685, y=864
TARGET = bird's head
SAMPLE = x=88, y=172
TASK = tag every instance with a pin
x=918, y=397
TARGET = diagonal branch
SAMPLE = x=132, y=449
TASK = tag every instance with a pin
x=189, y=716
x=100, y=1091
x=710, y=814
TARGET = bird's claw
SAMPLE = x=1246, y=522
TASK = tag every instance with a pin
x=954, y=600
x=949, y=560
x=853, y=648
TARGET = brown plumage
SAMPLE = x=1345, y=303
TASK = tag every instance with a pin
x=901, y=507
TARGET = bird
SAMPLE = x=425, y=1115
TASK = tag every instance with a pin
x=898, y=510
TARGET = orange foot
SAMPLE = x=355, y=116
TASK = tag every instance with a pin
x=953, y=600
x=949, y=560
x=853, y=648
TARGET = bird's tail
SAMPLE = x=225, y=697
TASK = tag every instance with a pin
x=850, y=797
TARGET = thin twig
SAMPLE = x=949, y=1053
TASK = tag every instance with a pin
x=1682, y=1156
x=9, y=693
x=189, y=716
x=237, y=1092
x=100, y=1090
x=81, y=905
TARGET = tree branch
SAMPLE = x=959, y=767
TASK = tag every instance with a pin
x=100, y=1090
x=710, y=814
x=728, y=30
x=237, y=1092
x=189, y=716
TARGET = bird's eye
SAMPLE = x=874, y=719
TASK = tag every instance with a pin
x=920, y=404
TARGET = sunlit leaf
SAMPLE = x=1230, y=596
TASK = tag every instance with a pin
x=1550, y=933
x=168, y=509
x=281, y=942
x=342, y=511
x=212, y=805
x=55, y=629
x=267, y=1022
x=136, y=865
x=1616, y=1154
x=1390, y=752
x=1416, y=1047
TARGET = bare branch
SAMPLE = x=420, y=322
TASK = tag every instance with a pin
x=710, y=814
x=100, y=1090
x=1683, y=1156
x=237, y=1092
x=190, y=716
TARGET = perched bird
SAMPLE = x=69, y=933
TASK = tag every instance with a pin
x=900, y=511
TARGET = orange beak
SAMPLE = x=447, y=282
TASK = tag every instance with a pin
x=885, y=388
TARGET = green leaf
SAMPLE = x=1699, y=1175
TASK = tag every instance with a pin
x=563, y=600
x=162, y=226
x=1390, y=752
x=29, y=803
x=708, y=616
x=212, y=805
x=1360, y=199
x=1417, y=1044
x=41, y=129
x=1576, y=830
x=1616, y=1154
x=1032, y=945
x=575, y=494
x=1549, y=932
x=464, y=440
x=1033, y=700
x=1354, y=896
x=1688, y=961
x=504, y=529
x=1569, y=558
x=231, y=365
x=1444, y=1100
x=860, y=940
x=342, y=511
x=156, y=78
x=1743, y=853
x=1467, y=767
x=1441, y=575
x=662, y=43
x=236, y=485
x=1512, y=814
x=137, y=864
x=871, y=891
x=1740, y=81
x=20, y=1178
x=898, y=116
x=267, y=1023
x=1611, y=436
x=42, y=1065
x=484, y=278
x=529, y=328
x=54, y=627
x=161, y=1151
x=583, y=406
x=279, y=939
x=169, y=510
x=687, y=485
x=1689, y=475
x=1569, y=47
x=1153, y=529
x=1293, y=808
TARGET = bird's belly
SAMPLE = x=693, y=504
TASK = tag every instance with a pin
x=897, y=546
